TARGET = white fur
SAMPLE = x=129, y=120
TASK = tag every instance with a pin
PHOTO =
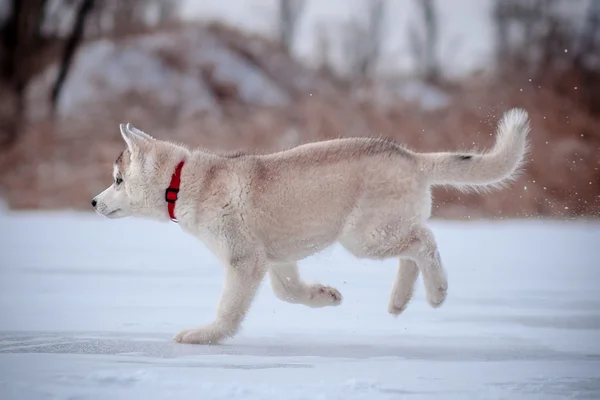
x=261, y=214
x=492, y=169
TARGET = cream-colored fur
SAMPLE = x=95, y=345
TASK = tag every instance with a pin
x=261, y=214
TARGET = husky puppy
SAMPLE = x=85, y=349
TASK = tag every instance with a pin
x=261, y=214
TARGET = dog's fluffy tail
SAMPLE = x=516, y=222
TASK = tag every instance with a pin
x=494, y=168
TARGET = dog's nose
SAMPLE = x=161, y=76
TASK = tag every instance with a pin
x=94, y=202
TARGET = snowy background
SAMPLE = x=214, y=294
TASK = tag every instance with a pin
x=466, y=29
x=89, y=307
x=243, y=75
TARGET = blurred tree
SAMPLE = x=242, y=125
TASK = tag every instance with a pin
x=35, y=33
x=115, y=18
x=69, y=50
x=26, y=45
x=540, y=41
x=290, y=12
x=363, y=39
x=424, y=41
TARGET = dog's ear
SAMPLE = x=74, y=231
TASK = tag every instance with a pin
x=135, y=142
x=138, y=131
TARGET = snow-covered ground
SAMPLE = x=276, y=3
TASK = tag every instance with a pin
x=88, y=308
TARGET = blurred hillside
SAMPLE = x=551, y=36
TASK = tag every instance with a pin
x=82, y=67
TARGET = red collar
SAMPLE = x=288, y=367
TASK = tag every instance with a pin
x=172, y=191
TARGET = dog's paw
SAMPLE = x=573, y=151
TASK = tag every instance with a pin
x=395, y=311
x=396, y=308
x=180, y=337
x=197, y=336
x=437, y=296
x=323, y=296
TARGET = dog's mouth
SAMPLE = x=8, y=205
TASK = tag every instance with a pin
x=113, y=214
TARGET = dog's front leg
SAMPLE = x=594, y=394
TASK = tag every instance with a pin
x=242, y=279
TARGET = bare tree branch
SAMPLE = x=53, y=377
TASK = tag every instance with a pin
x=33, y=30
x=70, y=47
x=290, y=12
x=424, y=41
x=18, y=40
x=363, y=38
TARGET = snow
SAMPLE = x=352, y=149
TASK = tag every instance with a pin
x=429, y=97
x=88, y=308
x=166, y=67
x=386, y=92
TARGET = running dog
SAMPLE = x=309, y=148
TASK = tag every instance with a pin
x=261, y=214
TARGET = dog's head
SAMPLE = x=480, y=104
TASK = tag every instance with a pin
x=137, y=188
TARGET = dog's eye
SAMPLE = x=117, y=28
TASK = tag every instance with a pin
x=118, y=181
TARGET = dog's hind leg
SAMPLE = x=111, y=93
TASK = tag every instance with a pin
x=288, y=286
x=424, y=251
x=242, y=279
x=417, y=245
x=404, y=285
